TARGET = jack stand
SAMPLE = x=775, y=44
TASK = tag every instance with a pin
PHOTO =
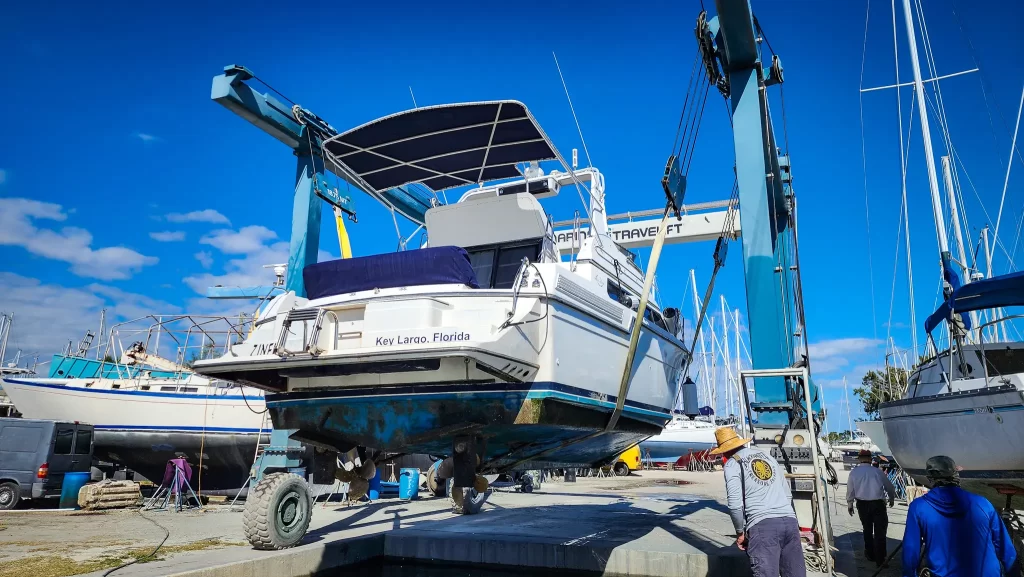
x=175, y=487
x=1013, y=522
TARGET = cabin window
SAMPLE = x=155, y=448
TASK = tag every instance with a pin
x=115, y=386
x=190, y=389
x=496, y=266
x=616, y=293
x=144, y=387
x=1004, y=361
x=168, y=389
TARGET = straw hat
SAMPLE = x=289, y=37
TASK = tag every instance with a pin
x=727, y=440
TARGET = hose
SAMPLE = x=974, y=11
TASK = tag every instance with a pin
x=167, y=535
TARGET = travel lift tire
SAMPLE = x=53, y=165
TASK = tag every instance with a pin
x=621, y=469
x=277, y=512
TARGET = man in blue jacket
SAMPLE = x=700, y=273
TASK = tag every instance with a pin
x=962, y=533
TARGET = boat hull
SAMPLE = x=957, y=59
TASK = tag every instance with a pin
x=982, y=430
x=670, y=451
x=523, y=425
x=142, y=430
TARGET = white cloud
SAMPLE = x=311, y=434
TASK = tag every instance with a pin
x=168, y=236
x=47, y=316
x=207, y=215
x=204, y=258
x=147, y=138
x=837, y=354
x=69, y=244
x=247, y=240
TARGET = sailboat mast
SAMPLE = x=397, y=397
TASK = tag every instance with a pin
x=926, y=135
x=744, y=409
x=725, y=350
x=700, y=337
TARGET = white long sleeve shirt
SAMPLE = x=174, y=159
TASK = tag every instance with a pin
x=868, y=483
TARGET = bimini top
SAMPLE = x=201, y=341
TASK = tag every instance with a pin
x=1001, y=291
x=443, y=146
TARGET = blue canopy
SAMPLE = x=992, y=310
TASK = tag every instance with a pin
x=438, y=265
x=1000, y=291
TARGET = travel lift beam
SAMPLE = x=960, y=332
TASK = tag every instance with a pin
x=305, y=133
x=784, y=408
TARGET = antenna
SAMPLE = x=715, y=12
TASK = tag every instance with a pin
x=575, y=158
x=573, y=109
x=414, y=105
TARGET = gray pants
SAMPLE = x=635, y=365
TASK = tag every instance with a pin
x=773, y=546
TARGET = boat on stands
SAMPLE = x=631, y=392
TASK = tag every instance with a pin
x=486, y=340
x=147, y=409
x=681, y=437
x=966, y=400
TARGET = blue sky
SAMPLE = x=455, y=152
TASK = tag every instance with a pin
x=123, y=186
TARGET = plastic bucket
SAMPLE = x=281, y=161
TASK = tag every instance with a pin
x=408, y=484
x=69, y=488
x=374, y=492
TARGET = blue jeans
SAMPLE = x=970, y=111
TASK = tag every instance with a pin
x=774, y=546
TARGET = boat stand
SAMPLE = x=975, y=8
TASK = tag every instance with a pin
x=161, y=500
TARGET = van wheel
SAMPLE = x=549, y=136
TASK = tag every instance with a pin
x=9, y=496
x=621, y=469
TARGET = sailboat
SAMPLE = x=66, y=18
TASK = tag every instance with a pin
x=147, y=409
x=967, y=401
x=486, y=333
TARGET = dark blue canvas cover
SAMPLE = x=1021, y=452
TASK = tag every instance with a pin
x=437, y=265
x=999, y=291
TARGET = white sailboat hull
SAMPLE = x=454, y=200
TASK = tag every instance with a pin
x=143, y=429
x=982, y=430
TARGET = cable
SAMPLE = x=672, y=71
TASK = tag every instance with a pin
x=864, y=168
x=573, y=110
x=167, y=535
x=242, y=390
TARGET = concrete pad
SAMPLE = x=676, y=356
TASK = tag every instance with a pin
x=646, y=524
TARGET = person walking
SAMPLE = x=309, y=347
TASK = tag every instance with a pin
x=761, y=507
x=960, y=533
x=868, y=487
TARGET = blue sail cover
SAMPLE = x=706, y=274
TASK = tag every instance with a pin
x=1000, y=291
x=437, y=265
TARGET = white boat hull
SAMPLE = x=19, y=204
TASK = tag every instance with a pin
x=982, y=430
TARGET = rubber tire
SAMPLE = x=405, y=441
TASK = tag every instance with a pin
x=260, y=520
x=9, y=496
x=465, y=500
x=621, y=469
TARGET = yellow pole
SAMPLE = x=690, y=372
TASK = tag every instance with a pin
x=634, y=338
x=346, y=248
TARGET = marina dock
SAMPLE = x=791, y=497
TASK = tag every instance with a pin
x=656, y=523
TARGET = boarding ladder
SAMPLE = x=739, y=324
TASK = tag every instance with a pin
x=309, y=341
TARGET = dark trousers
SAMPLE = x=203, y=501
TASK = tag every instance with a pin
x=774, y=547
x=875, y=521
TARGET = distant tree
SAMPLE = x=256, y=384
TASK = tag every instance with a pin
x=879, y=387
x=108, y=359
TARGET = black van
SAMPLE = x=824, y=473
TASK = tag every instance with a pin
x=35, y=454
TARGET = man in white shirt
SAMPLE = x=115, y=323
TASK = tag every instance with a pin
x=868, y=487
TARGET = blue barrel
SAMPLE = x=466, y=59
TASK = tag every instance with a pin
x=73, y=482
x=374, y=492
x=408, y=484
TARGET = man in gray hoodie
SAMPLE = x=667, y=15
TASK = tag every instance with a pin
x=761, y=506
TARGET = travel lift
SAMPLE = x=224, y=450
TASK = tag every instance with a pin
x=786, y=403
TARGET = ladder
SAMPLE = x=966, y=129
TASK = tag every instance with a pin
x=85, y=344
x=302, y=315
x=261, y=447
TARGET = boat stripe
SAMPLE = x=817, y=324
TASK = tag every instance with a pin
x=1003, y=409
x=253, y=398
x=177, y=428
